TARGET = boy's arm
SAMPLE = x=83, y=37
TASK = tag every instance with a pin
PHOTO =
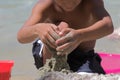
x=103, y=25
x=28, y=32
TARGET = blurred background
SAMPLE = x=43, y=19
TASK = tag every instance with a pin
x=13, y=14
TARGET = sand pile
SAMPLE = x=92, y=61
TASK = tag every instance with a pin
x=56, y=63
x=75, y=76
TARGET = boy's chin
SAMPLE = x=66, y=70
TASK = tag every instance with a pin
x=68, y=9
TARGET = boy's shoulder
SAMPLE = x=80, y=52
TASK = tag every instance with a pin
x=42, y=4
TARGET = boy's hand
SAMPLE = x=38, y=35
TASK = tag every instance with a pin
x=48, y=34
x=68, y=42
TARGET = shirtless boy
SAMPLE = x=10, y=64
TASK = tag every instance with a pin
x=69, y=27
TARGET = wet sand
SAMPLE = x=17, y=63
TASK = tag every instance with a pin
x=75, y=76
x=22, y=78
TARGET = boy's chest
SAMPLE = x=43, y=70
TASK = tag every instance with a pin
x=75, y=20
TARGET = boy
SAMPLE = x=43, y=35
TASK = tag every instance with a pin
x=69, y=27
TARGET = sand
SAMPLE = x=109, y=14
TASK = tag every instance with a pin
x=56, y=63
x=75, y=76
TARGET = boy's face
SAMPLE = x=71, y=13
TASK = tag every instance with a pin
x=67, y=5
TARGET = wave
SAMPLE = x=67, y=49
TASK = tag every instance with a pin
x=115, y=34
x=14, y=4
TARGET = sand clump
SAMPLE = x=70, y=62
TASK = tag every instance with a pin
x=56, y=63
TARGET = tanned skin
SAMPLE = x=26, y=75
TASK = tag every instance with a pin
x=62, y=27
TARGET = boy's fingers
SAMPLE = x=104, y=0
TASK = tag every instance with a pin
x=62, y=25
x=64, y=32
x=55, y=28
x=63, y=47
x=65, y=39
x=66, y=50
x=51, y=41
x=53, y=33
